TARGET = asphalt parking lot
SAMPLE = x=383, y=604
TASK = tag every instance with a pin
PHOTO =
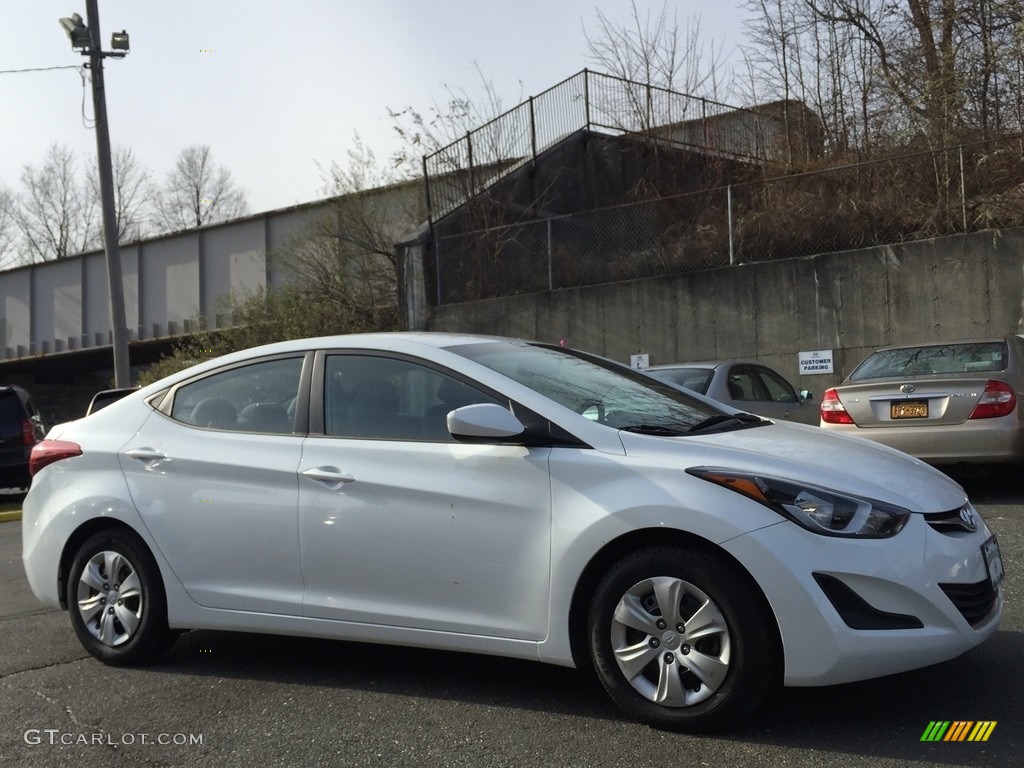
x=244, y=700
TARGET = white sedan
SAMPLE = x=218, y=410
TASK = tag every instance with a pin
x=511, y=498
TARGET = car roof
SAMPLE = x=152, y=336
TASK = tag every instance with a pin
x=363, y=341
x=398, y=341
x=947, y=342
x=8, y=389
x=703, y=364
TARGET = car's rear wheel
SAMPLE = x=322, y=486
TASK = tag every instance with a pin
x=681, y=639
x=116, y=600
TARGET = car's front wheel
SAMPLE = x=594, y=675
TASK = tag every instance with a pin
x=116, y=600
x=681, y=639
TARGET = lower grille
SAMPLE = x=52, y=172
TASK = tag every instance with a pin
x=856, y=612
x=974, y=601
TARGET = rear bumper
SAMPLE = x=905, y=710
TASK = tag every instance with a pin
x=986, y=441
x=14, y=475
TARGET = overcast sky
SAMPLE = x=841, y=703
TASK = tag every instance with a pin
x=276, y=88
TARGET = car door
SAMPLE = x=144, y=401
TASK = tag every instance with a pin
x=784, y=399
x=746, y=391
x=212, y=473
x=760, y=390
x=402, y=526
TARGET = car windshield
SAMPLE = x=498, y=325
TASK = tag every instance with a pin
x=974, y=357
x=607, y=392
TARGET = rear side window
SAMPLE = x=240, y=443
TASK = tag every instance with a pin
x=10, y=408
x=934, y=359
x=253, y=398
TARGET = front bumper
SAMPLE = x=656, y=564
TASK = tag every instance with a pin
x=919, y=574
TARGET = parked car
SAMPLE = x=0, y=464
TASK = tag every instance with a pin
x=21, y=426
x=944, y=402
x=750, y=387
x=105, y=397
x=447, y=491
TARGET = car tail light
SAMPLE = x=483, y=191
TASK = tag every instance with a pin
x=998, y=399
x=833, y=411
x=28, y=434
x=49, y=451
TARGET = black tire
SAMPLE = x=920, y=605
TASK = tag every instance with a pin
x=116, y=600
x=676, y=669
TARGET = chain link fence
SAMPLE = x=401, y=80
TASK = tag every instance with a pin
x=910, y=197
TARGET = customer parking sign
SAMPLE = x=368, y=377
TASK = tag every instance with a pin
x=818, y=361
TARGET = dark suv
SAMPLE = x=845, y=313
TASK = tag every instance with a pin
x=21, y=427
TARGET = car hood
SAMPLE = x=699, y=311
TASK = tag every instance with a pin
x=811, y=455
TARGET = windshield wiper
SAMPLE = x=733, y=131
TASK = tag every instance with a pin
x=654, y=429
x=725, y=420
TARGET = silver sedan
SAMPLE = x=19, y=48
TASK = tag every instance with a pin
x=943, y=402
x=747, y=386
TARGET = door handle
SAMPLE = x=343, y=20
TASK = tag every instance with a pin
x=146, y=455
x=330, y=476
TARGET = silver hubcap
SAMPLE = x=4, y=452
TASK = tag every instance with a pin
x=110, y=598
x=670, y=641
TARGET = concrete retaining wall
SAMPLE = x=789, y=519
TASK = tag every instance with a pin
x=851, y=302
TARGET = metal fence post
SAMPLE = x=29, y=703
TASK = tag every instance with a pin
x=650, y=109
x=550, y=259
x=963, y=187
x=426, y=193
x=533, y=132
x=728, y=205
x=586, y=96
x=437, y=267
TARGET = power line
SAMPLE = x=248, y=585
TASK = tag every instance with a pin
x=88, y=122
x=36, y=69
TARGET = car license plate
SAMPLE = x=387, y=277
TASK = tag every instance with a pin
x=993, y=561
x=909, y=409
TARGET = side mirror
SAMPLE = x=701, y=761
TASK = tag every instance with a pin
x=804, y=396
x=484, y=422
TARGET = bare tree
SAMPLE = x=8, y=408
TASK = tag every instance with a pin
x=668, y=73
x=657, y=51
x=885, y=72
x=55, y=213
x=197, y=192
x=347, y=254
x=447, y=122
x=133, y=189
x=793, y=56
x=468, y=141
x=8, y=254
x=340, y=268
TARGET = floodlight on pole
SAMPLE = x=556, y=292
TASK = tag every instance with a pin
x=86, y=39
x=76, y=31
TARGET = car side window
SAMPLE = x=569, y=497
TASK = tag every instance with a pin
x=373, y=397
x=253, y=398
x=777, y=387
x=743, y=385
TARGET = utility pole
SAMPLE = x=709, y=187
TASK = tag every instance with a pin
x=92, y=48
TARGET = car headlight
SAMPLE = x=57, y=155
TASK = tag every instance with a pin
x=817, y=509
